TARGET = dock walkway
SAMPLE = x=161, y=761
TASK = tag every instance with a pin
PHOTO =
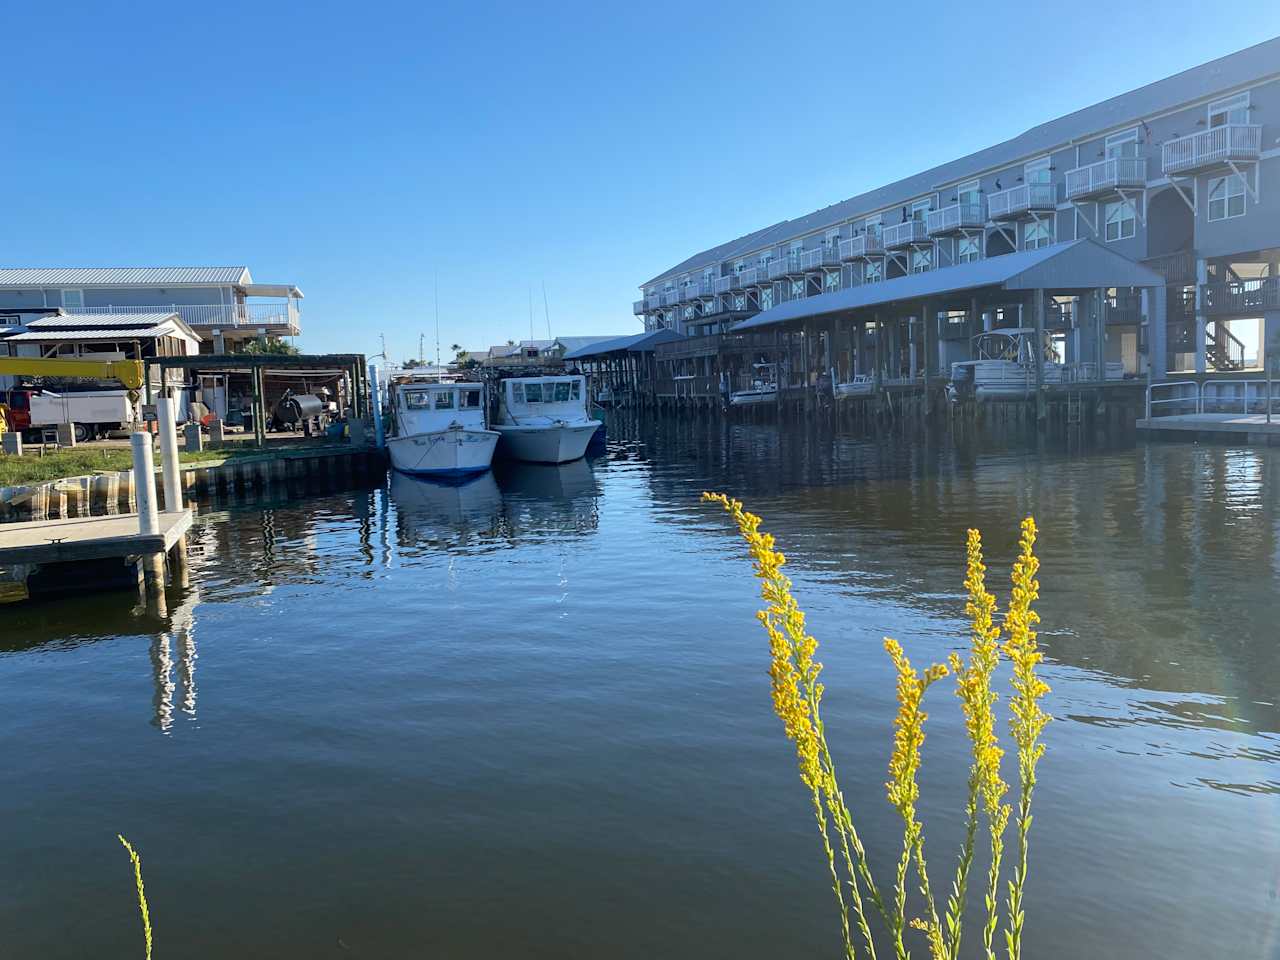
x=1251, y=428
x=88, y=538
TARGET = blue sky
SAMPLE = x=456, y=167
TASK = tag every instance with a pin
x=364, y=150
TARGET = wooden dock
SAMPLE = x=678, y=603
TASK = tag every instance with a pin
x=88, y=538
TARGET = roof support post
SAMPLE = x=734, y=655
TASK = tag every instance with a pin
x=1038, y=355
x=1154, y=311
x=1100, y=334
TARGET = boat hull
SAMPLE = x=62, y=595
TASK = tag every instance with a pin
x=747, y=398
x=443, y=453
x=549, y=443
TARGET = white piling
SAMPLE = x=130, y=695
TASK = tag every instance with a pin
x=169, y=455
x=144, y=484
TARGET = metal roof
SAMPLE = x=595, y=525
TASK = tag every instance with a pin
x=1245, y=66
x=123, y=276
x=577, y=343
x=80, y=320
x=635, y=343
x=1077, y=264
x=96, y=334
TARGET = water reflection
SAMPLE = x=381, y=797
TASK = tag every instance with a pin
x=429, y=511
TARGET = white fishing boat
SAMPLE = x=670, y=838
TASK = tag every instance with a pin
x=763, y=388
x=544, y=419
x=862, y=385
x=438, y=428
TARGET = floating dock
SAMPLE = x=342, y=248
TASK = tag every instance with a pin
x=1221, y=427
x=88, y=538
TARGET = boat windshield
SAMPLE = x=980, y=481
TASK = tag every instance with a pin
x=546, y=391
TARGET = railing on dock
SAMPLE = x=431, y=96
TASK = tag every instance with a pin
x=1213, y=396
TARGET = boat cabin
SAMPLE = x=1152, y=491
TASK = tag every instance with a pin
x=556, y=398
x=424, y=406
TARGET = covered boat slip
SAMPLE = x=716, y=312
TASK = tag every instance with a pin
x=1093, y=311
x=622, y=371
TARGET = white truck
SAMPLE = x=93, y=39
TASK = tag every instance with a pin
x=91, y=412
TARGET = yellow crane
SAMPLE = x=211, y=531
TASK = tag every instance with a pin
x=128, y=372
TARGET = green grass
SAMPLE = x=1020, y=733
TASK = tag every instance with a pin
x=32, y=467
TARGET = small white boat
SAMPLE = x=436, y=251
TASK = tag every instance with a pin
x=438, y=429
x=763, y=389
x=862, y=385
x=544, y=419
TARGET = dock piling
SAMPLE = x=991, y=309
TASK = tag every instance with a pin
x=169, y=454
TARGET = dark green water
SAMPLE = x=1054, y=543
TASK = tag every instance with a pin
x=530, y=717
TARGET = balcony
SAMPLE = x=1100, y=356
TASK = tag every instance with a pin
x=905, y=234
x=1229, y=143
x=669, y=298
x=721, y=285
x=652, y=302
x=637, y=307
x=785, y=266
x=697, y=289
x=861, y=247
x=956, y=218
x=1106, y=177
x=276, y=318
x=754, y=276
x=1241, y=297
x=1022, y=201
x=820, y=258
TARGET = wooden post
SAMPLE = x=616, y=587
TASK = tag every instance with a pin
x=1038, y=353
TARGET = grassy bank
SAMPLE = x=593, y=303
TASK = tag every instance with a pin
x=54, y=465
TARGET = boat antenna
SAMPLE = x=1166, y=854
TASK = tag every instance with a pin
x=531, y=311
x=546, y=312
x=439, y=372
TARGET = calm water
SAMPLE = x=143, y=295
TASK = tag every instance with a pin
x=530, y=717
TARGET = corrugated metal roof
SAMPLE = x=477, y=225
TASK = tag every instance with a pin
x=577, y=343
x=122, y=276
x=634, y=343
x=1075, y=265
x=105, y=333
x=1254, y=63
x=81, y=320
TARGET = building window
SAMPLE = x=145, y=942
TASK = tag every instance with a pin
x=968, y=250
x=872, y=271
x=72, y=299
x=1122, y=144
x=1037, y=171
x=920, y=209
x=739, y=266
x=872, y=228
x=832, y=238
x=1119, y=222
x=766, y=298
x=1226, y=197
x=832, y=280
x=1232, y=110
x=968, y=193
x=797, y=289
x=1037, y=234
x=921, y=259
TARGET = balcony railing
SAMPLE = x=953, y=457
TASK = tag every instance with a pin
x=956, y=218
x=215, y=314
x=721, y=285
x=820, y=258
x=1231, y=142
x=652, y=302
x=1106, y=176
x=669, y=298
x=1241, y=296
x=904, y=234
x=860, y=247
x=637, y=307
x=1178, y=269
x=755, y=276
x=696, y=289
x=1020, y=201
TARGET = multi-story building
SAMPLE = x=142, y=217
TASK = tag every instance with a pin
x=1181, y=176
x=223, y=305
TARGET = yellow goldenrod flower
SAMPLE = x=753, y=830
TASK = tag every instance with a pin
x=142, y=893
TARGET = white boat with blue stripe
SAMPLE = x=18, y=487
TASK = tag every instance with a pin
x=439, y=429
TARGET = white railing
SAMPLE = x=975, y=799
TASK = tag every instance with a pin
x=957, y=216
x=819, y=257
x=901, y=234
x=863, y=245
x=1231, y=141
x=211, y=314
x=721, y=285
x=1212, y=396
x=653, y=301
x=1106, y=175
x=1020, y=199
x=637, y=307
x=669, y=298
